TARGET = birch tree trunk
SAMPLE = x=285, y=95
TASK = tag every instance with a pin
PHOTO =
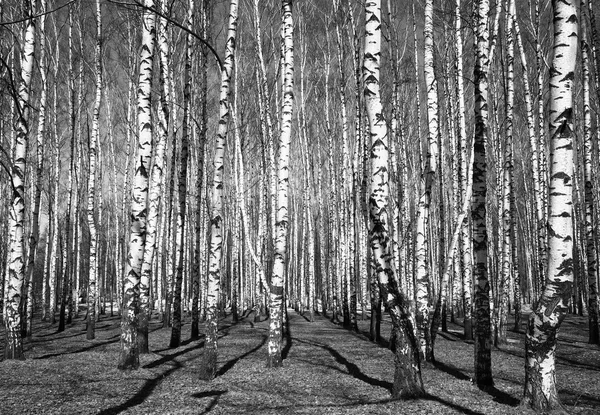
x=202, y=133
x=208, y=369
x=501, y=311
x=422, y=276
x=93, y=270
x=129, y=357
x=483, y=353
x=590, y=231
x=155, y=190
x=540, y=347
x=465, y=242
x=183, y=167
x=35, y=209
x=407, y=377
x=13, y=348
x=72, y=126
x=276, y=305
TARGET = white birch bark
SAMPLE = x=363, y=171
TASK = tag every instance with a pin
x=209, y=364
x=129, y=356
x=407, y=378
x=540, y=391
x=13, y=348
x=483, y=368
x=276, y=305
x=91, y=211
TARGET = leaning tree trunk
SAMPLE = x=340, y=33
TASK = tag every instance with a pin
x=540, y=391
x=209, y=365
x=483, y=352
x=129, y=358
x=13, y=348
x=407, y=377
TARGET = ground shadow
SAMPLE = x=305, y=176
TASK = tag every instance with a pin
x=227, y=366
x=172, y=356
x=288, y=342
x=462, y=409
x=451, y=370
x=574, y=399
x=213, y=402
x=142, y=394
x=501, y=396
x=353, y=370
x=110, y=340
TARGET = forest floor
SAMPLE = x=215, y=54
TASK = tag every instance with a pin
x=327, y=370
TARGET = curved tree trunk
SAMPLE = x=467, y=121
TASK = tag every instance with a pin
x=407, y=377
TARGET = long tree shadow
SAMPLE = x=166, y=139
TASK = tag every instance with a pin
x=501, y=396
x=42, y=337
x=452, y=405
x=352, y=369
x=213, y=402
x=227, y=366
x=110, y=340
x=172, y=356
x=451, y=370
x=142, y=394
x=578, y=399
x=288, y=342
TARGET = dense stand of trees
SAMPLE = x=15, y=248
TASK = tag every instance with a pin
x=362, y=159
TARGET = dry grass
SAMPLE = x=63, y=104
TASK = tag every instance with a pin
x=327, y=370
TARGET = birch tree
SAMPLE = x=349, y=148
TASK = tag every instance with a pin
x=540, y=392
x=13, y=348
x=91, y=211
x=183, y=167
x=422, y=272
x=276, y=305
x=209, y=364
x=37, y=184
x=407, y=377
x=129, y=357
x=483, y=354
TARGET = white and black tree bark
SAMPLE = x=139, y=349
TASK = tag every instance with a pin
x=540, y=392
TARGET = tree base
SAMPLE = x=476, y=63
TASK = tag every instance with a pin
x=91, y=329
x=129, y=360
x=552, y=407
x=195, y=332
x=468, y=325
x=408, y=383
x=274, y=361
x=13, y=349
x=142, y=341
x=208, y=367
